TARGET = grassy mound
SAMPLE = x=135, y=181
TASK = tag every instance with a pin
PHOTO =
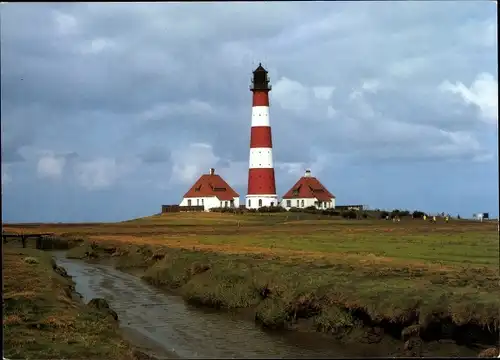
x=41, y=319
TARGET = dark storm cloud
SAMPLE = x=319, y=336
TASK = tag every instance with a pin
x=155, y=155
x=11, y=154
x=131, y=87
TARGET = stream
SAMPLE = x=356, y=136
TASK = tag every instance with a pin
x=164, y=326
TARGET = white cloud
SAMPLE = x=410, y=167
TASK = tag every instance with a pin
x=97, y=45
x=362, y=108
x=6, y=177
x=196, y=159
x=323, y=92
x=370, y=85
x=294, y=169
x=480, y=32
x=290, y=94
x=456, y=145
x=408, y=67
x=367, y=86
x=65, y=24
x=322, y=161
x=51, y=166
x=330, y=112
x=293, y=96
x=355, y=94
x=483, y=93
x=191, y=162
x=101, y=172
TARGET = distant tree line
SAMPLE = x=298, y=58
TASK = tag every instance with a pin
x=347, y=214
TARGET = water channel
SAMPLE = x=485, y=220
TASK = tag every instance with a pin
x=166, y=327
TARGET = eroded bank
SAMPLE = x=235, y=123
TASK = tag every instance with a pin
x=229, y=283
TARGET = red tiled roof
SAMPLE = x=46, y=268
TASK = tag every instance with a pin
x=211, y=185
x=309, y=188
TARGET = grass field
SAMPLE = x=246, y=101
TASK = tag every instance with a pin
x=42, y=321
x=298, y=269
x=411, y=242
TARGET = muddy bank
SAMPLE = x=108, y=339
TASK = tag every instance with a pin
x=44, y=317
x=265, y=289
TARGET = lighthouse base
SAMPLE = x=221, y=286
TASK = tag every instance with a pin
x=258, y=201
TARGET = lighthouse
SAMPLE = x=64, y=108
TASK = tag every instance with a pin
x=261, y=182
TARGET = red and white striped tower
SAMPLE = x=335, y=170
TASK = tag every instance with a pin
x=261, y=183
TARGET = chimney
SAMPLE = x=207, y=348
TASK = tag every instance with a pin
x=212, y=171
x=308, y=173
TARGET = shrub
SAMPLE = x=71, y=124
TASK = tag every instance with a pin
x=330, y=212
x=418, y=214
x=228, y=210
x=307, y=210
x=271, y=209
x=399, y=213
x=383, y=214
x=349, y=214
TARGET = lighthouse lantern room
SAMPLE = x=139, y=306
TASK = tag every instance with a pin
x=261, y=181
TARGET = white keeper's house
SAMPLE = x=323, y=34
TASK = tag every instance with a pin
x=211, y=191
x=306, y=192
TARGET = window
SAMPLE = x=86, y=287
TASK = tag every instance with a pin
x=249, y=203
x=298, y=202
x=260, y=202
x=202, y=202
x=302, y=203
x=189, y=202
x=289, y=203
x=232, y=203
x=197, y=202
x=272, y=203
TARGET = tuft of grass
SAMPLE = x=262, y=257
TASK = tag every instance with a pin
x=79, y=252
x=30, y=260
x=334, y=320
x=221, y=288
x=273, y=314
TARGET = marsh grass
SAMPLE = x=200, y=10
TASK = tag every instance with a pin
x=311, y=267
x=42, y=321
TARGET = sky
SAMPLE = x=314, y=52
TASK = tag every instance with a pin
x=110, y=110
